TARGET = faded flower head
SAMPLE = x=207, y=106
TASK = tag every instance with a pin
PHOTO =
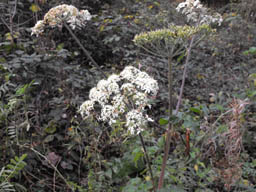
x=197, y=13
x=122, y=96
x=59, y=14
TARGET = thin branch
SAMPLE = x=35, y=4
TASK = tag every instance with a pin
x=53, y=166
x=84, y=50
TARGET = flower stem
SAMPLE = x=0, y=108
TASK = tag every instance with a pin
x=84, y=50
x=184, y=74
x=168, y=136
x=148, y=162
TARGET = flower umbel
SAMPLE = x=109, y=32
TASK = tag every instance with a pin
x=59, y=14
x=122, y=96
x=197, y=13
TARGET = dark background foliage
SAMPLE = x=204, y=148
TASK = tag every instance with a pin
x=44, y=80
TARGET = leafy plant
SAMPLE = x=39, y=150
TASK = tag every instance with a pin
x=11, y=170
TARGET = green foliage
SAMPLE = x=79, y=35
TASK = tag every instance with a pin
x=11, y=170
x=251, y=51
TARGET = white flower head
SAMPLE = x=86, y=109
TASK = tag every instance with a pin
x=114, y=78
x=128, y=89
x=197, y=13
x=86, y=108
x=85, y=15
x=141, y=100
x=38, y=28
x=136, y=121
x=129, y=73
x=108, y=114
x=98, y=96
x=56, y=16
x=119, y=103
x=123, y=96
x=146, y=83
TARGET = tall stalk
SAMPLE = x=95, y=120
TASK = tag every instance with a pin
x=168, y=136
x=170, y=93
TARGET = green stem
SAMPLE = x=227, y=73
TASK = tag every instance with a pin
x=148, y=162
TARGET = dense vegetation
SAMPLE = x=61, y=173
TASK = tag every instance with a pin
x=47, y=146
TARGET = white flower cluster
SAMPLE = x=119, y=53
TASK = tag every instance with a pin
x=59, y=14
x=196, y=12
x=122, y=96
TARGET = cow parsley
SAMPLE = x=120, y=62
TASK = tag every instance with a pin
x=56, y=16
x=122, y=96
x=197, y=13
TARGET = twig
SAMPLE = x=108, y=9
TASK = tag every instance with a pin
x=53, y=166
x=84, y=50
x=148, y=162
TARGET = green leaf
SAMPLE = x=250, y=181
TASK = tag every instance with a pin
x=196, y=110
x=252, y=50
x=163, y=121
x=49, y=138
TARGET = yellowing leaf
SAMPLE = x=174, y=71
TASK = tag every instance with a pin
x=200, y=76
x=147, y=178
x=102, y=28
x=8, y=36
x=34, y=8
x=246, y=182
x=128, y=16
x=234, y=14
x=196, y=167
x=150, y=6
